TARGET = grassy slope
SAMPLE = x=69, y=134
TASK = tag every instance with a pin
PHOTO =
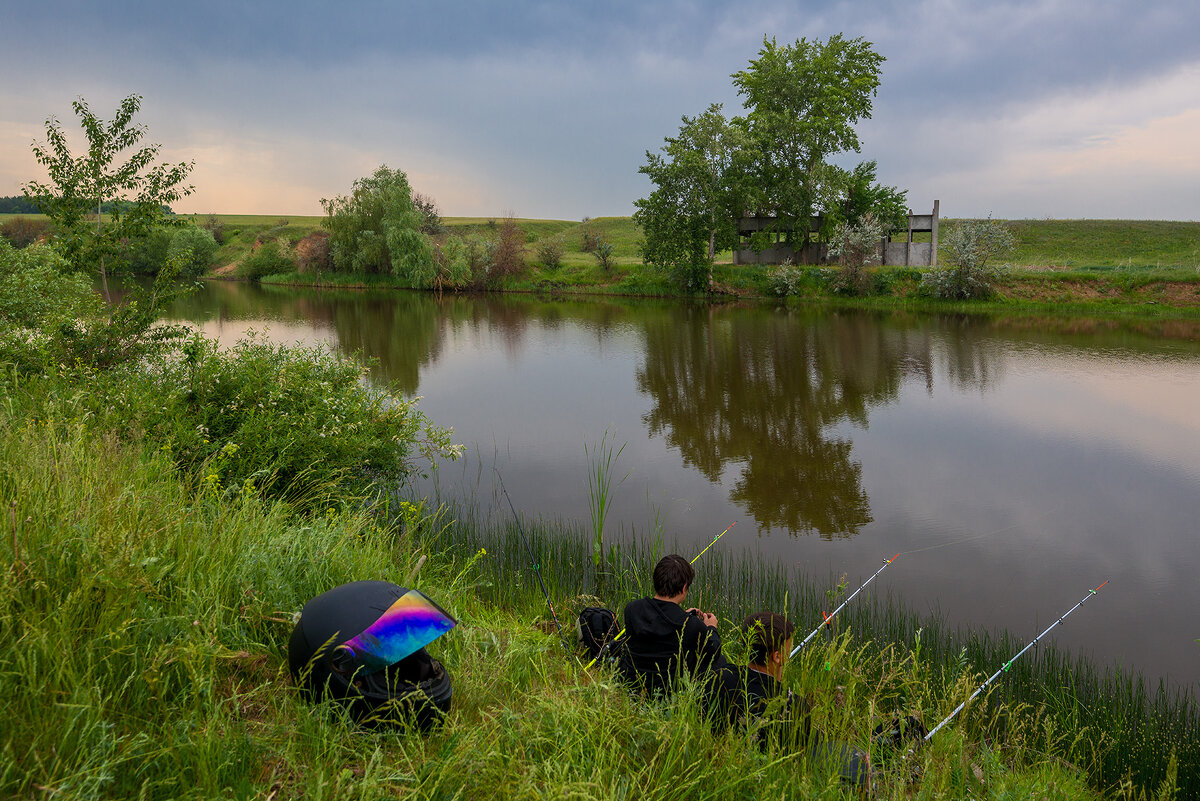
x=143, y=630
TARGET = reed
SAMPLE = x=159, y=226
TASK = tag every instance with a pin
x=1112, y=723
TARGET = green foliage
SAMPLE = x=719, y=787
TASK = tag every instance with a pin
x=431, y=219
x=856, y=245
x=267, y=259
x=604, y=256
x=802, y=103
x=975, y=247
x=138, y=189
x=675, y=243
x=601, y=460
x=377, y=229
x=861, y=195
x=148, y=253
x=194, y=248
x=790, y=279
x=298, y=423
x=700, y=194
x=38, y=289
x=550, y=252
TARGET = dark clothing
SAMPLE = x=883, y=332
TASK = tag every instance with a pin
x=657, y=635
x=741, y=697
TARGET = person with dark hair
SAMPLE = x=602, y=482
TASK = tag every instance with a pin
x=662, y=639
x=754, y=697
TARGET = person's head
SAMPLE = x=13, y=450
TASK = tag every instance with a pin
x=768, y=634
x=672, y=575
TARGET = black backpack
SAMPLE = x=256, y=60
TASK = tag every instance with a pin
x=597, y=629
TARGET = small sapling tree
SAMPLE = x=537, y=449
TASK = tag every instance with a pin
x=135, y=188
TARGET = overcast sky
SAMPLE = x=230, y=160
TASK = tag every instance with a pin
x=1067, y=108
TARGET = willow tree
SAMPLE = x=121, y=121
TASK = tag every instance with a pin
x=377, y=229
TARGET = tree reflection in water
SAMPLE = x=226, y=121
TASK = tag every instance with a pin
x=765, y=391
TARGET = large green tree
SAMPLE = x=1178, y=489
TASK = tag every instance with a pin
x=377, y=229
x=700, y=179
x=802, y=102
x=115, y=174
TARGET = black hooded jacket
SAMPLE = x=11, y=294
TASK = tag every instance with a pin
x=657, y=634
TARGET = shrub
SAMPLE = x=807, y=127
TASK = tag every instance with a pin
x=855, y=246
x=38, y=288
x=550, y=251
x=266, y=259
x=589, y=239
x=974, y=246
x=603, y=254
x=23, y=231
x=431, y=219
x=508, y=255
x=787, y=279
x=194, y=247
x=377, y=229
x=453, y=271
x=297, y=423
x=313, y=254
x=148, y=253
x=215, y=227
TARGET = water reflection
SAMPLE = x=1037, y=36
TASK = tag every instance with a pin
x=1007, y=458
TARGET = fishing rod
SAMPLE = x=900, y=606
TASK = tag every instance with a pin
x=533, y=561
x=829, y=618
x=714, y=542
x=1008, y=664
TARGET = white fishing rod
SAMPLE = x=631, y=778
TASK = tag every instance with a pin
x=829, y=618
x=1008, y=664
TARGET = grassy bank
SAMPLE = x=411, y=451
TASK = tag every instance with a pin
x=145, y=613
x=1097, y=267
x=1107, y=267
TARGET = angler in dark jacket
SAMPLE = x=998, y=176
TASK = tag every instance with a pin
x=753, y=697
x=662, y=639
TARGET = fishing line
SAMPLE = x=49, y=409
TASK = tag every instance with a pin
x=533, y=561
x=961, y=540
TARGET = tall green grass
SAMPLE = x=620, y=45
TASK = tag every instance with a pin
x=1112, y=724
x=143, y=630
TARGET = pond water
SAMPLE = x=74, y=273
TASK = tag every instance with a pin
x=1014, y=463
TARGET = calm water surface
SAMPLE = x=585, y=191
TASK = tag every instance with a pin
x=1014, y=463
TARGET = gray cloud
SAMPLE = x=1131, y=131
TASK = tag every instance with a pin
x=546, y=109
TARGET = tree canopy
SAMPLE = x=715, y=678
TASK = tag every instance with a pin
x=802, y=102
x=377, y=228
